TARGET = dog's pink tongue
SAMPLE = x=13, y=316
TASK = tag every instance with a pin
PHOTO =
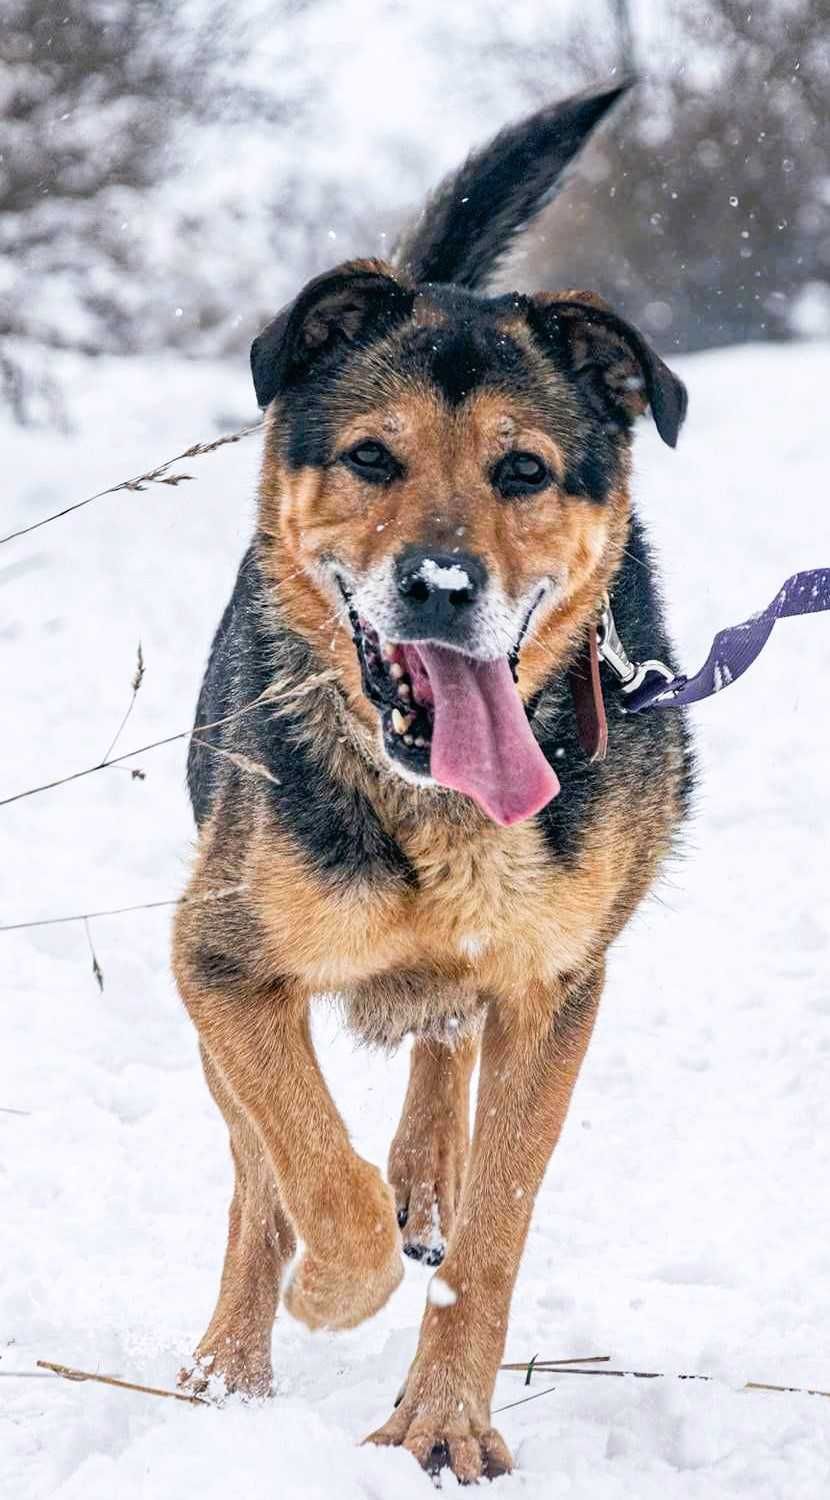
x=482, y=743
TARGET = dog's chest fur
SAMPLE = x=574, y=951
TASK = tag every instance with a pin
x=414, y=908
x=487, y=912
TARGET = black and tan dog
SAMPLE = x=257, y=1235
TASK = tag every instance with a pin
x=444, y=504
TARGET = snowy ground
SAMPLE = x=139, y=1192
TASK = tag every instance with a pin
x=684, y=1225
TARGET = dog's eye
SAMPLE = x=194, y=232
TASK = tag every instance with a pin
x=521, y=473
x=373, y=462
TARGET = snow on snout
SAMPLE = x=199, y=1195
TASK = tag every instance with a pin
x=440, y=577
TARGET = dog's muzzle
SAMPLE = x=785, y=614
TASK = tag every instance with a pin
x=447, y=714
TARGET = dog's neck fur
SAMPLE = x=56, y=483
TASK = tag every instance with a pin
x=330, y=785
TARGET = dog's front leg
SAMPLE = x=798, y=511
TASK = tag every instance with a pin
x=531, y=1054
x=338, y=1203
x=428, y=1154
x=235, y=1351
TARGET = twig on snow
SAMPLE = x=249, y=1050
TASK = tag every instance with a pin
x=68, y=1373
x=523, y=1399
x=553, y=1367
x=554, y=1364
x=787, y=1390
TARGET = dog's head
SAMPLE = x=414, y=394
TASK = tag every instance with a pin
x=446, y=476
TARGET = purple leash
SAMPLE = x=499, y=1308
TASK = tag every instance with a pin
x=651, y=684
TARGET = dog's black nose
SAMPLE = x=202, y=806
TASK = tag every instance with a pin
x=437, y=590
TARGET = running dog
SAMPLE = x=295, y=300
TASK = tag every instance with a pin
x=407, y=788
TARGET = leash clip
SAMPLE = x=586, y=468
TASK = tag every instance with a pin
x=630, y=674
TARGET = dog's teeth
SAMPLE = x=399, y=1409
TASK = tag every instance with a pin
x=388, y=651
x=408, y=740
x=401, y=722
x=404, y=690
x=420, y=741
x=395, y=670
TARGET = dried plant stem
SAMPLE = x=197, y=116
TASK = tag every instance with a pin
x=97, y=971
x=581, y=1367
x=554, y=1364
x=85, y=916
x=119, y=911
x=68, y=1373
x=159, y=475
x=243, y=762
x=170, y=739
x=787, y=1390
x=138, y=678
x=522, y=1399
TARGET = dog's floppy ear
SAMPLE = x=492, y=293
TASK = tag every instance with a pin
x=611, y=360
x=355, y=301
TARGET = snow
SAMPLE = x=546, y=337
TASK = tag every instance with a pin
x=440, y=1293
x=684, y=1225
x=810, y=312
x=443, y=577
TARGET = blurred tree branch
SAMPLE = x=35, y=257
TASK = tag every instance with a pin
x=702, y=211
x=705, y=215
x=88, y=93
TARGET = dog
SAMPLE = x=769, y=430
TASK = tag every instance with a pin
x=398, y=777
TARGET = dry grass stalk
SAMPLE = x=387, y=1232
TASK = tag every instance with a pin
x=785, y=1390
x=581, y=1367
x=68, y=1373
x=159, y=475
x=577, y=1367
x=138, y=678
x=119, y=911
x=522, y=1399
x=244, y=762
x=554, y=1364
x=97, y=971
x=102, y=765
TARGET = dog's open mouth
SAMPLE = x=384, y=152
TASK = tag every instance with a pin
x=458, y=720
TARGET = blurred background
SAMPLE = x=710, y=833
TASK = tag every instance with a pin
x=171, y=171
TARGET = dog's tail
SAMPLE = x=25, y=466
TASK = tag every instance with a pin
x=471, y=219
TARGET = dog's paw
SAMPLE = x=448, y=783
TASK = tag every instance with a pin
x=453, y=1440
x=324, y=1295
x=426, y=1168
x=225, y=1367
x=353, y=1277
x=443, y=1418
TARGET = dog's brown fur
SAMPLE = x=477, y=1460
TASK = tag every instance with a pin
x=452, y=927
